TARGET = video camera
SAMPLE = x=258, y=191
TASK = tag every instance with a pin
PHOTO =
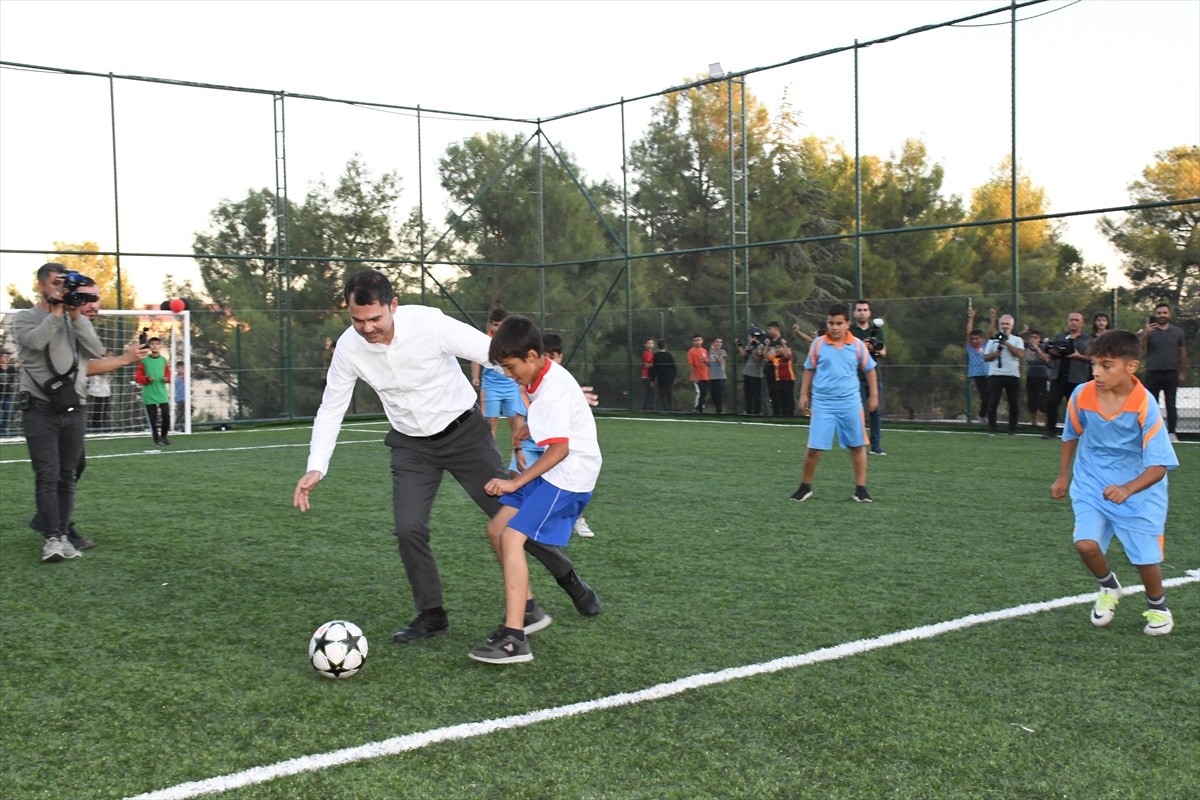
x=72, y=297
x=1059, y=349
x=1000, y=339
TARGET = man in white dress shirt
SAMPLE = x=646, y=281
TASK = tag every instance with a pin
x=408, y=355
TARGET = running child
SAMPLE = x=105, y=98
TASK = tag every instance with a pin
x=1115, y=438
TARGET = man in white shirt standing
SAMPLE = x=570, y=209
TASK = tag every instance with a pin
x=1004, y=353
x=407, y=354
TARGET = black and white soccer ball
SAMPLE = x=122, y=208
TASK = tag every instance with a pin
x=338, y=649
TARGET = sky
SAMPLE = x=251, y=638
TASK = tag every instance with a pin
x=1102, y=85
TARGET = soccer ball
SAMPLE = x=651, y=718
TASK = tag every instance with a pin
x=338, y=649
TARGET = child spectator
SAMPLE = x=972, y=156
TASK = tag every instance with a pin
x=1115, y=439
x=498, y=395
x=541, y=503
x=153, y=373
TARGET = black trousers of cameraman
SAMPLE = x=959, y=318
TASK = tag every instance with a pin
x=55, y=442
x=1007, y=385
x=1059, y=390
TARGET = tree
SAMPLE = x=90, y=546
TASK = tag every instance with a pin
x=1162, y=245
x=262, y=332
x=529, y=212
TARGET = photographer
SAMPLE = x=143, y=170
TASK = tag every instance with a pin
x=870, y=333
x=1037, y=376
x=54, y=341
x=1069, y=367
x=1004, y=353
x=752, y=371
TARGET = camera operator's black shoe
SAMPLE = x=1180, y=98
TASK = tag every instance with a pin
x=164, y=440
x=427, y=623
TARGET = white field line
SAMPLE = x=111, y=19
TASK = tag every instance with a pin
x=415, y=741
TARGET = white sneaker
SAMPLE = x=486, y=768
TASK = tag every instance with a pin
x=57, y=548
x=1158, y=622
x=1105, y=607
x=582, y=529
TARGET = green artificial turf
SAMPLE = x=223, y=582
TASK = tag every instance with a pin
x=175, y=651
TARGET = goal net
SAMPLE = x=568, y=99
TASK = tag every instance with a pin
x=114, y=400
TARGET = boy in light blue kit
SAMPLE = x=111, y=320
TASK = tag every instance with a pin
x=830, y=393
x=1115, y=436
x=542, y=502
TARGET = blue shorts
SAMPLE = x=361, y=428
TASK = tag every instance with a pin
x=849, y=423
x=545, y=513
x=500, y=395
x=1092, y=524
x=532, y=454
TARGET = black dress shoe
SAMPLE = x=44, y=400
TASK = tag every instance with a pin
x=424, y=626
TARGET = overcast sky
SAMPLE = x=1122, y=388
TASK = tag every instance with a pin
x=1101, y=86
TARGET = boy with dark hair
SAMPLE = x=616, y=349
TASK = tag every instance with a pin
x=541, y=503
x=831, y=378
x=1114, y=437
x=154, y=374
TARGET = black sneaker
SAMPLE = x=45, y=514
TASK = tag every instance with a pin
x=803, y=493
x=502, y=648
x=586, y=601
x=164, y=440
x=80, y=542
x=860, y=495
x=425, y=625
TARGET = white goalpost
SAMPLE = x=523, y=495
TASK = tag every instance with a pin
x=114, y=400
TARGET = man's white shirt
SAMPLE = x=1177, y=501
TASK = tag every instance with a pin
x=417, y=377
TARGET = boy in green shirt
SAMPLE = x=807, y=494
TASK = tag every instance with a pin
x=154, y=374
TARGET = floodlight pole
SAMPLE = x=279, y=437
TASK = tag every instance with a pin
x=858, y=277
x=112, y=114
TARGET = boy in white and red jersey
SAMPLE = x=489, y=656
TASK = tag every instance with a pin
x=543, y=502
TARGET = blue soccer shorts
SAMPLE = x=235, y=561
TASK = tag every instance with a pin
x=545, y=513
x=501, y=396
x=1141, y=547
x=850, y=425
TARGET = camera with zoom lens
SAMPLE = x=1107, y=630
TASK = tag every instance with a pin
x=1000, y=339
x=72, y=297
x=1059, y=349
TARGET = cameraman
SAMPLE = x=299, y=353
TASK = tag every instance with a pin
x=870, y=334
x=54, y=341
x=1004, y=353
x=752, y=372
x=1069, y=367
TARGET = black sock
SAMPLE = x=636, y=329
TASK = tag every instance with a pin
x=1109, y=581
x=1157, y=603
x=516, y=633
x=529, y=604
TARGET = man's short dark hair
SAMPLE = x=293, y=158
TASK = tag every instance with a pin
x=861, y=302
x=1115, y=344
x=661, y=344
x=837, y=311
x=368, y=287
x=515, y=337
x=773, y=324
x=1157, y=306
x=552, y=343
x=497, y=315
x=50, y=268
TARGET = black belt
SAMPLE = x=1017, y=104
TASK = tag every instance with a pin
x=453, y=426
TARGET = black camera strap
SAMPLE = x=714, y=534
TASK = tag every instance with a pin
x=69, y=374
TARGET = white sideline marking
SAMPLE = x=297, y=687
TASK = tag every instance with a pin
x=415, y=741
